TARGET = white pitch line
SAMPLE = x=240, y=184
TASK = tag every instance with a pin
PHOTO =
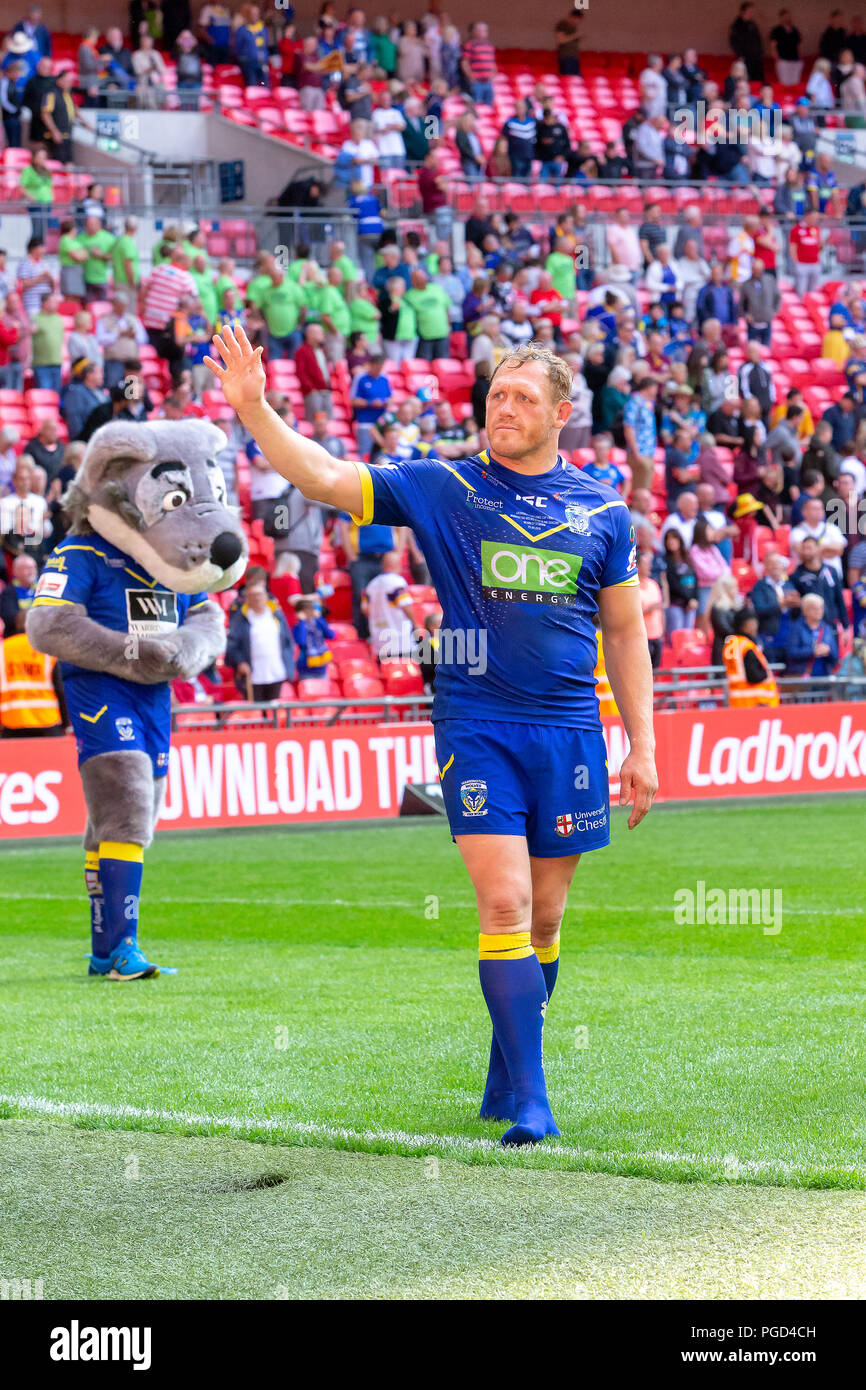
x=414, y=904
x=452, y=1144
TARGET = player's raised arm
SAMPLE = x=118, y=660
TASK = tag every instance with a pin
x=311, y=468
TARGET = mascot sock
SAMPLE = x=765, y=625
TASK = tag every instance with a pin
x=513, y=986
x=120, y=871
x=498, y=1102
x=98, y=937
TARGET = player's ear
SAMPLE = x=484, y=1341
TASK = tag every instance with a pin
x=563, y=413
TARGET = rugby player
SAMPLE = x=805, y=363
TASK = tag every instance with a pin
x=523, y=546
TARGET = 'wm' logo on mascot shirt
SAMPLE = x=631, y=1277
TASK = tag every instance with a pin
x=150, y=612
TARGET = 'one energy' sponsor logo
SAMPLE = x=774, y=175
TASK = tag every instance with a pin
x=518, y=574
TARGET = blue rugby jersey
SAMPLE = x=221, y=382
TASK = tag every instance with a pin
x=522, y=558
x=117, y=594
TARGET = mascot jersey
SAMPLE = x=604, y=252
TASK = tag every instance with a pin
x=107, y=712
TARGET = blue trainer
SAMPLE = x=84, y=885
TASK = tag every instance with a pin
x=126, y=962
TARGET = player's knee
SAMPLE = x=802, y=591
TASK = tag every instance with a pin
x=505, y=906
x=546, y=923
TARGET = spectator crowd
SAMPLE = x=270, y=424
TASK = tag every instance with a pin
x=742, y=503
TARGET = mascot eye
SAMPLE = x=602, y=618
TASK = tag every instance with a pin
x=174, y=499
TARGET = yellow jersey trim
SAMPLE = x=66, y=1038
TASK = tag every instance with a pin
x=45, y=602
x=625, y=583
x=92, y=718
x=367, y=498
x=541, y=536
x=92, y=550
x=457, y=475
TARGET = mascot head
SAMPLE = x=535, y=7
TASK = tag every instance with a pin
x=156, y=491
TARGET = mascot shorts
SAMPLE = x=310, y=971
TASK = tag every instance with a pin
x=104, y=723
x=546, y=783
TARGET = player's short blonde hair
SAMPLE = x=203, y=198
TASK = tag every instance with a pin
x=558, y=372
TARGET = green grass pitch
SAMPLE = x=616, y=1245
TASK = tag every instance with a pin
x=295, y=1113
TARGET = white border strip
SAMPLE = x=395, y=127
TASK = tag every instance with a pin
x=727, y=1168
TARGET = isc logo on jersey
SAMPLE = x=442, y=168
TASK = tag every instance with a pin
x=518, y=574
x=150, y=612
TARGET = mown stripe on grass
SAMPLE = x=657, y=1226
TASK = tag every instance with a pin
x=676, y=1167
x=803, y=910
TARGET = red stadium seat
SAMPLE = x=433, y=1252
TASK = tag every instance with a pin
x=321, y=688
x=358, y=666
x=364, y=687
x=402, y=678
x=345, y=651
x=744, y=574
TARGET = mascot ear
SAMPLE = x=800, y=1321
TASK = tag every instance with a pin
x=124, y=439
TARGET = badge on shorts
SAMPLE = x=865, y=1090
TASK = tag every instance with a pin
x=473, y=795
x=125, y=731
x=577, y=518
x=564, y=825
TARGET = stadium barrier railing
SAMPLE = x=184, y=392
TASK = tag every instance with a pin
x=675, y=688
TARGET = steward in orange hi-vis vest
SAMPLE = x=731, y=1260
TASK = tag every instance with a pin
x=29, y=702
x=606, y=702
x=750, y=680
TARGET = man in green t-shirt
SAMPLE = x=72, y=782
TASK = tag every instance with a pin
x=283, y=305
x=333, y=314
x=98, y=243
x=364, y=316
x=124, y=255
x=560, y=264
x=225, y=279
x=431, y=305
x=205, y=286
x=347, y=267
x=260, y=281
x=47, y=343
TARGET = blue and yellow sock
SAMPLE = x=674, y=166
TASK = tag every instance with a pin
x=512, y=983
x=498, y=1101
x=548, y=959
x=120, y=871
x=97, y=904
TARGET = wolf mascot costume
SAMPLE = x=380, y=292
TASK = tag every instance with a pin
x=122, y=603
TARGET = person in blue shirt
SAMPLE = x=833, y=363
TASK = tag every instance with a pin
x=251, y=48
x=526, y=554
x=312, y=633
x=821, y=183
x=520, y=132
x=812, y=644
x=715, y=300
x=364, y=546
x=602, y=469
x=366, y=208
x=371, y=395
